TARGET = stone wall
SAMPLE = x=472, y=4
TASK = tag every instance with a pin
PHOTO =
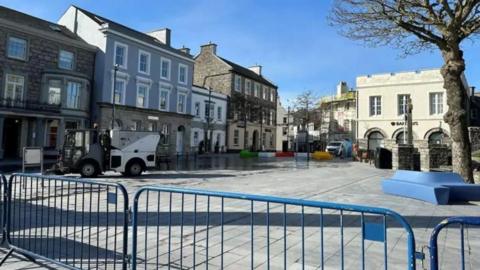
x=403, y=157
x=435, y=156
x=474, y=134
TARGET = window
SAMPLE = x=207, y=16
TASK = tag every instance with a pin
x=182, y=98
x=121, y=54
x=119, y=88
x=264, y=93
x=375, y=105
x=142, y=96
x=73, y=95
x=375, y=139
x=436, y=103
x=436, y=138
x=236, y=135
x=164, y=97
x=14, y=87
x=248, y=86
x=137, y=125
x=402, y=104
x=401, y=138
x=143, y=62
x=238, y=83
x=52, y=133
x=219, y=113
x=197, y=109
x=165, y=134
x=257, y=90
x=272, y=95
x=65, y=60
x=54, y=91
x=152, y=126
x=474, y=113
x=165, y=68
x=182, y=73
x=284, y=120
x=209, y=110
x=195, y=138
x=284, y=131
x=17, y=48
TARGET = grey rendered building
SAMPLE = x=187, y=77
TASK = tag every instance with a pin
x=45, y=82
x=153, y=82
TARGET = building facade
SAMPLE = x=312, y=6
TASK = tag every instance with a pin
x=45, y=83
x=209, y=110
x=339, y=115
x=382, y=103
x=285, y=128
x=152, y=87
x=252, y=100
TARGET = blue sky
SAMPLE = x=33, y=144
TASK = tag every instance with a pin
x=290, y=39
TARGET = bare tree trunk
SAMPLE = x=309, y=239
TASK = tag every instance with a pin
x=456, y=116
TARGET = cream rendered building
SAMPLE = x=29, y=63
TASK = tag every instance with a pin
x=381, y=105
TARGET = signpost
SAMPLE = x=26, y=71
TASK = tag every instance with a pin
x=32, y=157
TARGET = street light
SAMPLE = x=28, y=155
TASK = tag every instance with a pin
x=115, y=69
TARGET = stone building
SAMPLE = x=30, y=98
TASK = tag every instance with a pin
x=153, y=82
x=252, y=98
x=45, y=83
x=209, y=110
x=339, y=115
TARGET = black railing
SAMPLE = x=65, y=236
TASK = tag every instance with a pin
x=28, y=105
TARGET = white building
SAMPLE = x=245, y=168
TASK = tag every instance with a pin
x=285, y=128
x=382, y=103
x=201, y=123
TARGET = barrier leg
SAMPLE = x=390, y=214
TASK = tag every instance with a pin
x=6, y=256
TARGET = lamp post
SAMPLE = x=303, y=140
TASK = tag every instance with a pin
x=115, y=69
x=288, y=128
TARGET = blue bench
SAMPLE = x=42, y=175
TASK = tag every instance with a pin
x=434, y=187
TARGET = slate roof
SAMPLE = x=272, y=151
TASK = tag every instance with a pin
x=37, y=23
x=130, y=32
x=248, y=73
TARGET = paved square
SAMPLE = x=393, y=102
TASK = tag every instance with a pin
x=337, y=181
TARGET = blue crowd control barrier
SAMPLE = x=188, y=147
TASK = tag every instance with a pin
x=462, y=222
x=75, y=223
x=3, y=207
x=188, y=228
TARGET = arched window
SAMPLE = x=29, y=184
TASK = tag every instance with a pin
x=436, y=138
x=375, y=139
x=400, y=139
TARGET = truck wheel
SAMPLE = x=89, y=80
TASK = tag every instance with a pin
x=88, y=169
x=134, y=168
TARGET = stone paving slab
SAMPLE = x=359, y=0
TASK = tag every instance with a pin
x=342, y=182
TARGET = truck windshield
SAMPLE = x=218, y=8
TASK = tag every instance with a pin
x=74, y=139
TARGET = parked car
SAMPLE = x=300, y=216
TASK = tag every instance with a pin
x=334, y=148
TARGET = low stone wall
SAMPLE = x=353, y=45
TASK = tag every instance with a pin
x=474, y=134
x=435, y=156
x=403, y=157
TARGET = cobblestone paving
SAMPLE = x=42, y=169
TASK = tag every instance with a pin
x=337, y=181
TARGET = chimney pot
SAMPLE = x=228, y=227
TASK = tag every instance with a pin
x=185, y=50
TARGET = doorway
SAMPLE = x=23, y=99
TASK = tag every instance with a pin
x=255, y=140
x=11, y=137
x=180, y=134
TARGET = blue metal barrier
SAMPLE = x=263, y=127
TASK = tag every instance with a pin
x=70, y=222
x=3, y=207
x=187, y=228
x=462, y=222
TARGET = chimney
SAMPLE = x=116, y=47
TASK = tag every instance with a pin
x=257, y=69
x=185, y=50
x=209, y=48
x=342, y=88
x=163, y=35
